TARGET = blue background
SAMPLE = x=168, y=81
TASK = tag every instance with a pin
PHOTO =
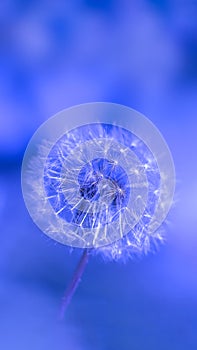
x=55, y=54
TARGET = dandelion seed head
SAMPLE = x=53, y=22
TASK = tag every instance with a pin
x=105, y=185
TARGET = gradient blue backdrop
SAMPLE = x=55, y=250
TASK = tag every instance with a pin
x=55, y=54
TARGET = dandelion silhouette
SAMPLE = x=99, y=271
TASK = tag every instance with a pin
x=99, y=176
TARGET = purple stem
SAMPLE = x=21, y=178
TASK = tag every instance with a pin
x=74, y=283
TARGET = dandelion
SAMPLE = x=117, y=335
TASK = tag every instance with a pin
x=100, y=177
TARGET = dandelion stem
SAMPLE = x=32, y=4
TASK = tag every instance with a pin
x=69, y=292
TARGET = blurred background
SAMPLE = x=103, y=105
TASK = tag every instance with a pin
x=55, y=54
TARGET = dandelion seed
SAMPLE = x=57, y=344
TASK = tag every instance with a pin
x=102, y=186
